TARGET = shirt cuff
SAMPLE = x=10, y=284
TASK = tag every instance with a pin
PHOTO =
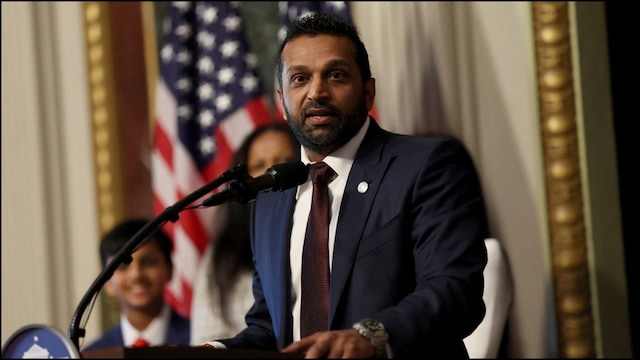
x=215, y=344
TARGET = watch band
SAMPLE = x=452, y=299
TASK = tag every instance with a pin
x=375, y=332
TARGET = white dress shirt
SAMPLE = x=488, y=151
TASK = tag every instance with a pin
x=340, y=161
x=155, y=333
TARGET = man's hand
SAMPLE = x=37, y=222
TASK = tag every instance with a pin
x=337, y=344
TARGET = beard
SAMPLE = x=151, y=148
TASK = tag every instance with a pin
x=324, y=139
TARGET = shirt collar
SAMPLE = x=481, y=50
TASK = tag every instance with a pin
x=155, y=333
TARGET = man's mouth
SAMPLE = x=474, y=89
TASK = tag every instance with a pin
x=319, y=116
x=320, y=119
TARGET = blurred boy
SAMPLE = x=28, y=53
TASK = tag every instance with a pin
x=145, y=319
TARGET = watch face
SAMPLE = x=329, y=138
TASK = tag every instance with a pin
x=373, y=325
x=374, y=331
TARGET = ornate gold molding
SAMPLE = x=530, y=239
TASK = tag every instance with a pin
x=100, y=68
x=103, y=114
x=562, y=177
x=151, y=59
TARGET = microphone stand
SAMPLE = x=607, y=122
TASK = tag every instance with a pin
x=124, y=254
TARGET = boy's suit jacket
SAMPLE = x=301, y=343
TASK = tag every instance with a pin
x=178, y=333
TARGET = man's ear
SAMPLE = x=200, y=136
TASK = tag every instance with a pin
x=370, y=92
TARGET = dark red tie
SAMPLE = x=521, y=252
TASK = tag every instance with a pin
x=140, y=342
x=315, y=256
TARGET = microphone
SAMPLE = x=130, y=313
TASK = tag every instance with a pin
x=277, y=178
x=171, y=213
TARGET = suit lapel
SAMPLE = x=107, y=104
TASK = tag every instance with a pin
x=272, y=245
x=363, y=183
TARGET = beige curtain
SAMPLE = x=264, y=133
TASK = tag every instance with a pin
x=412, y=59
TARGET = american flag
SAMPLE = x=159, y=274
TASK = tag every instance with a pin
x=208, y=99
x=292, y=10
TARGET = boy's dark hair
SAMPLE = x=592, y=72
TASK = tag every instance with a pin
x=118, y=236
x=326, y=24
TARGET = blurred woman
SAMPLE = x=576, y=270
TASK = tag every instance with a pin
x=222, y=291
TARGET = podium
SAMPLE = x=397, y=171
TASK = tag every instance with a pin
x=182, y=352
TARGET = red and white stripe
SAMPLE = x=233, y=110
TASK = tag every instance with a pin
x=175, y=175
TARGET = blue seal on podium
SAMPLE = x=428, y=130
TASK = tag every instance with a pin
x=39, y=342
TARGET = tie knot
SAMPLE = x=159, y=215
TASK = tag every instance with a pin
x=140, y=342
x=321, y=173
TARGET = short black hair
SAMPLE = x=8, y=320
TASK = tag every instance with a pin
x=326, y=24
x=118, y=236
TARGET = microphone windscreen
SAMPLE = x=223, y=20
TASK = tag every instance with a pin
x=288, y=174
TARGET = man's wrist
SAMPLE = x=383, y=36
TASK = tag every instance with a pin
x=374, y=332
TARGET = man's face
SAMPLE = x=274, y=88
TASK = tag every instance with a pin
x=322, y=93
x=139, y=286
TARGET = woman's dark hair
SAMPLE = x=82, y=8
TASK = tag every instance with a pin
x=242, y=153
x=326, y=24
x=232, y=249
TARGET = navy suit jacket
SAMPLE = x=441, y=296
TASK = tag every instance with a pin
x=408, y=252
x=178, y=333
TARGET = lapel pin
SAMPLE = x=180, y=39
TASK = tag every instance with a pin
x=363, y=187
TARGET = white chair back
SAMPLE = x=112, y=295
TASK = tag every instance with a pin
x=485, y=340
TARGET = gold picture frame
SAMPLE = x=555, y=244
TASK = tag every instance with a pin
x=568, y=248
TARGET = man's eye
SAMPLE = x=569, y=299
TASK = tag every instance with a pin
x=337, y=75
x=298, y=79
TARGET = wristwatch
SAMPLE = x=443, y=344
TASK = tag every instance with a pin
x=375, y=333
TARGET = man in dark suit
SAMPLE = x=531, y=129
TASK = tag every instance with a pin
x=407, y=219
x=145, y=319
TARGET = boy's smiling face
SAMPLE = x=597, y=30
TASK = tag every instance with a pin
x=139, y=286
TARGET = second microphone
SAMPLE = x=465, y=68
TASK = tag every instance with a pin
x=277, y=178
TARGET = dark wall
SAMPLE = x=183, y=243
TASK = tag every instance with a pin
x=622, y=50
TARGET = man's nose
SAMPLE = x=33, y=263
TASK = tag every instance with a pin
x=317, y=90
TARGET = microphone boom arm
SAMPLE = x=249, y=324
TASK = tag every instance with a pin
x=171, y=213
